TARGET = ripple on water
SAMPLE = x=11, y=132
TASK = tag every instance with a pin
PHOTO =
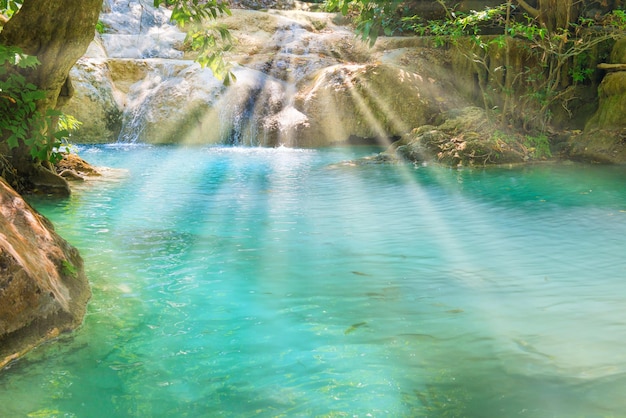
x=257, y=281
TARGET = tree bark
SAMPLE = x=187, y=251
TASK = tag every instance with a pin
x=58, y=33
x=557, y=14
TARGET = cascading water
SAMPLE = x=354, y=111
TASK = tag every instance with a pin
x=171, y=99
x=137, y=30
x=287, y=90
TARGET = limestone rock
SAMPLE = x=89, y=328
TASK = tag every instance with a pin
x=618, y=54
x=604, y=137
x=72, y=167
x=94, y=103
x=605, y=146
x=43, y=288
x=611, y=95
x=302, y=80
x=291, y=45
x=191, y=106
x=366, y=100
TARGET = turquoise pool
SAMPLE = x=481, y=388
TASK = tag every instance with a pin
x=249, y=282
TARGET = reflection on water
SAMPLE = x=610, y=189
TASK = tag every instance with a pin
x=267, y=282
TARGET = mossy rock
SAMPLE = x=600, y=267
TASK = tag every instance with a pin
x=603, y=146
x=466, y=138
x=618, y=55
x=612, y=103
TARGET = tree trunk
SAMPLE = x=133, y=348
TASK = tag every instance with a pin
x=554, y=13
x=58, y=33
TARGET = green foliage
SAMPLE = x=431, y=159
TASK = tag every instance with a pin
x=373, y=18
x=20, y=120
x=9, y=7
x=69, y=269
x=581, y=71
x=189, y=11
x=100, y=27
x=559, y=57
x=538, y=145
x=210, y=42
x=457, y=26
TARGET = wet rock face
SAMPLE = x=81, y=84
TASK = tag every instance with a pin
x=43, y=288
x=93, y=103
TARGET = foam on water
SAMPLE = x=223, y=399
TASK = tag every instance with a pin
x=269, y=282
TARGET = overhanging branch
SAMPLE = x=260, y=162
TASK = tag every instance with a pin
x=529, y=9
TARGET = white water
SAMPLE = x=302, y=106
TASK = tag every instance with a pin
x=135, y=29
x=169, y=93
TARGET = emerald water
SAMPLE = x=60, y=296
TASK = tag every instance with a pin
x=270, y=282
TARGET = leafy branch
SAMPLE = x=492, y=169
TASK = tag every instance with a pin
x=9, y=7
x=209, y=41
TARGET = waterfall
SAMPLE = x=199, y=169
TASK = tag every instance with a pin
x=167, y=98
x=135, y=29
x=301, y=81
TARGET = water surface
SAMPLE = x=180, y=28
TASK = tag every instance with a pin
x=269, y=282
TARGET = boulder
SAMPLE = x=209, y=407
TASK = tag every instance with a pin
x=612, y=103
x=618, y=53
x=43, y=288
x=611, y=95
x=367, y=101
x=466, y=138
x=604, y=146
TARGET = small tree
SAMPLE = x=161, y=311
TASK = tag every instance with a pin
x=56, y=33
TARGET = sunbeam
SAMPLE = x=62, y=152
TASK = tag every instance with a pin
x=246, y=260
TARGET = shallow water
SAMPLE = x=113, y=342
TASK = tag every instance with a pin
x=267, y=282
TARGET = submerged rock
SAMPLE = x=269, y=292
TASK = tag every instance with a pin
x=43, y=287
